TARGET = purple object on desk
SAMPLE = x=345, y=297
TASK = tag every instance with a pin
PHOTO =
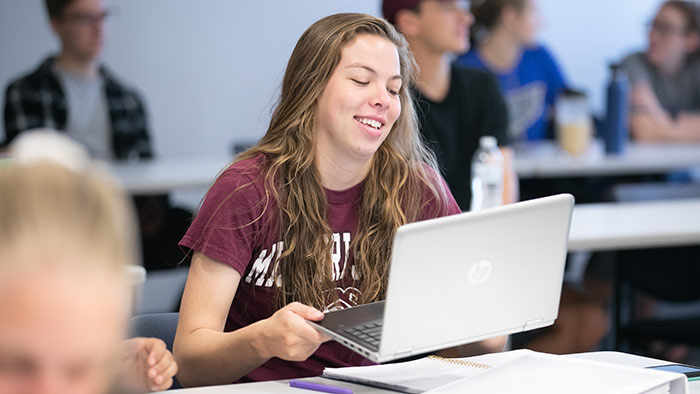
x=319, y=387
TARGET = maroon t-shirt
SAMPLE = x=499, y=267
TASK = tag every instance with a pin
x=238, y=225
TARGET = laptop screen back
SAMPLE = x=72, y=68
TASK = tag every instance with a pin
x=472, y=276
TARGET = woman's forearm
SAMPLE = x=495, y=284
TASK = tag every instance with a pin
x=209, y=357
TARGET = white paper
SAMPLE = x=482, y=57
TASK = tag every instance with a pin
x=419, y=375
x=518, y=371
x=544, y=373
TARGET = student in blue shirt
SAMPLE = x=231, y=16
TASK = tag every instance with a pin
x=530, y=79
x=504, y=35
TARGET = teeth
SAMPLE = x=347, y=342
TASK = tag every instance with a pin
x=370, y=122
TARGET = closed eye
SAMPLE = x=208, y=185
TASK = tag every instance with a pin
x=361, y=83
x=393, y=92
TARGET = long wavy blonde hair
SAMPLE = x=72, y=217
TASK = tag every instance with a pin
x=401, y=177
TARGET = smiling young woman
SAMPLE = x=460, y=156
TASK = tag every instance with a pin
x=303, y=221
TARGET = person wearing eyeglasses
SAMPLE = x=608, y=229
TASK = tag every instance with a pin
x=665, y=107
x=74, y=92
x=665, y=94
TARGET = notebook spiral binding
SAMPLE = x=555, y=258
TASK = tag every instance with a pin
x=460, y=362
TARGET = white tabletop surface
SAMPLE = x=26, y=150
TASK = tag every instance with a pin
x=165, y=175
x=282, y=386
x=277, y=386
x=611, y=226
x=544, y=159
x=631, y=360
x=604, y=226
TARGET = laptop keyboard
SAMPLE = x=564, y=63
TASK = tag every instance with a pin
x=368, y=334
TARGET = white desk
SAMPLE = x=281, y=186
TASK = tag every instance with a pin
x=277, y=386
x=282, y=386
x=614, y=226
x=631, y=360
x=164, y=175
x=537, y=160
x=546, y=160
x=604, y=226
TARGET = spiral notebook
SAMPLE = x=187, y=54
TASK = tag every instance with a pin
x=521, y=371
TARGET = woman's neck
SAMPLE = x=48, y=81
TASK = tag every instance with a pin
x=338, y=174
x=433, y=72
x=501, y=51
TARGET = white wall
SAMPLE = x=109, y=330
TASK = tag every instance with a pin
x=586, y=36
x=210, y=69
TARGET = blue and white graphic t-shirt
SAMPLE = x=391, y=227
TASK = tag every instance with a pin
x=530, y=89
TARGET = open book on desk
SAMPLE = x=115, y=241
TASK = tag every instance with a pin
x=518, y=371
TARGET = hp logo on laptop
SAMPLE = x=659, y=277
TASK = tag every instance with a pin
x=480, y=272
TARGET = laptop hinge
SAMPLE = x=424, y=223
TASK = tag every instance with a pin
x=530, y=324
x=404, y=352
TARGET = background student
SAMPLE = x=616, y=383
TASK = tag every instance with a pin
x=303, y=221
x=530, y=78
x=504, y=36
x=665, y=95
x=75, y=93
x=665, y=107
x=64, y=296
x=456, y=105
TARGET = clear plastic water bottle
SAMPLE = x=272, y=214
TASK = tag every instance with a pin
x=487, y=175
x=616, y=131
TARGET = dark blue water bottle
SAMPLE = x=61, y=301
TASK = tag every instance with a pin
x=616, y=130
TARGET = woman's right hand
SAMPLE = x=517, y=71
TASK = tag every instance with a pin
x=287, y=334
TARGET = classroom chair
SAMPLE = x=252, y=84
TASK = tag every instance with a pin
x=156, y=325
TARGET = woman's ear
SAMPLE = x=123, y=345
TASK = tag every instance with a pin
x=407, y=23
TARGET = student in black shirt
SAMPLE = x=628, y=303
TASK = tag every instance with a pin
x=452, y=127
x=456, y=105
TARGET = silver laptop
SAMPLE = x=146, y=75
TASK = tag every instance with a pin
x=461, y=279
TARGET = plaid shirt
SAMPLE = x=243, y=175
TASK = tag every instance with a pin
x=37, y=100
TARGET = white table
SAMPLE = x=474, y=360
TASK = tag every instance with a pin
x=615, y=226
x=535, y=160
x=633, y=361
x=633, y=225
x=545, y=160
x=282, y=386
x=165, y=175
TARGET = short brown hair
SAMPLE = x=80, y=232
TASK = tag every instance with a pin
x=487, y=13
x=690, y=13
x=55, y=8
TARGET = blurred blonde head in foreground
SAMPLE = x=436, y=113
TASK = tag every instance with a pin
x=67, y=236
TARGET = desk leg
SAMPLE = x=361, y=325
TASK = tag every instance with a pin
x=614, y=340
x=622, y=299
